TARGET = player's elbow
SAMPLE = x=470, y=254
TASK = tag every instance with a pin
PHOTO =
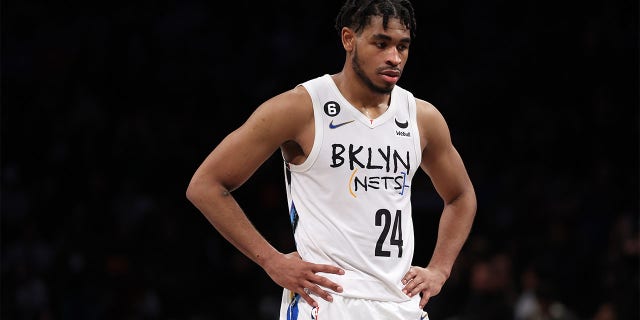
x=466, y=198
x=190, y=193
x=469, y=200
x=204, y=189
x=195, y=189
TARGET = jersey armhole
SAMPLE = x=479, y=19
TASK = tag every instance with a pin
x=318, y=134
x=414, y=127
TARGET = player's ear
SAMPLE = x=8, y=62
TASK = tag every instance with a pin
x=348, y=39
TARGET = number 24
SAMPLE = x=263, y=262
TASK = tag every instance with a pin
x=396, y=232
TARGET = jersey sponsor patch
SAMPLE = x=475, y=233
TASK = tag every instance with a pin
x=404, y=134
x=402, y=125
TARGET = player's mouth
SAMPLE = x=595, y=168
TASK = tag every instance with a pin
x=390, y=75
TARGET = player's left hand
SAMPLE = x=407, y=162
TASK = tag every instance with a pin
x=423, y=280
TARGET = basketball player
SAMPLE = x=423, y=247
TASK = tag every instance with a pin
x=351, y=142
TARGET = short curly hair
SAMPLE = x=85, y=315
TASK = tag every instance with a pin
x=356, y=14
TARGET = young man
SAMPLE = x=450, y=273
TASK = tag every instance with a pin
x=351, y=142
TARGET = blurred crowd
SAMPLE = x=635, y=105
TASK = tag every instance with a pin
x=107, y=110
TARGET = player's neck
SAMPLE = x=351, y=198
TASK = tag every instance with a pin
x=359, y=95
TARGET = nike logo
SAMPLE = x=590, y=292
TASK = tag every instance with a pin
x=402, y=125
x=333, y=126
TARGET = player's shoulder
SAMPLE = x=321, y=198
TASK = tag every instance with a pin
x=426, y=110
x=293, y=101
x=288, y=113
x=430, y=120
x=299, y=94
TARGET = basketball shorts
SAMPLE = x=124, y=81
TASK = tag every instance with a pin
x=294, y=307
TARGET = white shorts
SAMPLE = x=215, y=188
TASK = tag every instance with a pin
x=294, y=307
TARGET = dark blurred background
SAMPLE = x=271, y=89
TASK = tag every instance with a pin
x=108, y=108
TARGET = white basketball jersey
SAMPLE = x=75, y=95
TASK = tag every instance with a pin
x=349, y=201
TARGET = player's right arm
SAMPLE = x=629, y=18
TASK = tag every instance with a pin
x=284, y=118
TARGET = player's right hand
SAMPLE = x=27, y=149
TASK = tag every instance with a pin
x=299, y=276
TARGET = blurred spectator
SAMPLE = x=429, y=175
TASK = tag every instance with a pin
x=527, y=305
x=490, y=290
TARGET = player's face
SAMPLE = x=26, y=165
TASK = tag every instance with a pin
x=380, y=55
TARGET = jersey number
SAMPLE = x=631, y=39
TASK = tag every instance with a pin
x=383, y=218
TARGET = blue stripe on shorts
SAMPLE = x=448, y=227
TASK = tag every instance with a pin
x=292, y=311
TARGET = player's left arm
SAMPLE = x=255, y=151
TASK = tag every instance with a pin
x=444, y=166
